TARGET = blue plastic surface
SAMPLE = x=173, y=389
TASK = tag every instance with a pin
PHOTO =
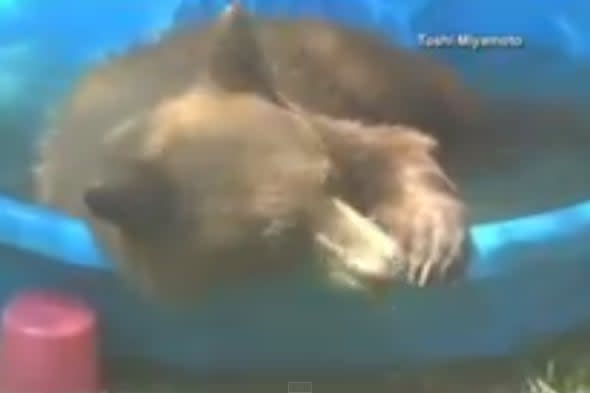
x=529, y=282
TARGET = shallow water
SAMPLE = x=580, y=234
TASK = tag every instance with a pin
x=539, y=158
x=536, y=154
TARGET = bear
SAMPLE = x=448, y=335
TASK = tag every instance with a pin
x=197, y=165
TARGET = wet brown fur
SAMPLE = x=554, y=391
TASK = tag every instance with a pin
x=201, y=127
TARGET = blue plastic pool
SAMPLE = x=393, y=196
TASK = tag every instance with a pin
x=528, y=283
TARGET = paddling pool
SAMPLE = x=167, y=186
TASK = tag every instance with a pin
x=528, y=282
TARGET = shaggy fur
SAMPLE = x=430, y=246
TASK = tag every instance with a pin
x=215, y=156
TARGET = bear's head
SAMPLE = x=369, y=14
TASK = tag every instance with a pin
x=216, y=183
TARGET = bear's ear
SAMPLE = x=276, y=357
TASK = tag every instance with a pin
x=137, y=201
x=236, y=61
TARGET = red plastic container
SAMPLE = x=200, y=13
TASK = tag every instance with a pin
x=49, y=345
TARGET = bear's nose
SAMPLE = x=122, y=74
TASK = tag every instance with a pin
x=105, y=203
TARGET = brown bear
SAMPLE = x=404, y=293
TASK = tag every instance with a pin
x=218, y=156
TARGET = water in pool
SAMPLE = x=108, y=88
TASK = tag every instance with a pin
x=114, y=82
